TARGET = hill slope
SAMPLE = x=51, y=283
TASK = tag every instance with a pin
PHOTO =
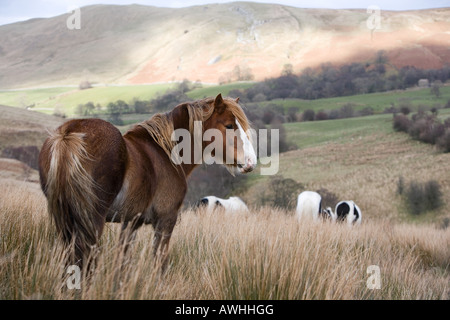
x=142, y=44
x=361, y=159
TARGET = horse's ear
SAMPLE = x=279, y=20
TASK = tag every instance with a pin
x=218, y=100
x=219, y=104
x=237, y=100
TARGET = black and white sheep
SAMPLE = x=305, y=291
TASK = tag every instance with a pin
x=232, y=204
x=347, y=211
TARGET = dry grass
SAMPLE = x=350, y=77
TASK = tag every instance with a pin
x=264, y=254
x=365, y=167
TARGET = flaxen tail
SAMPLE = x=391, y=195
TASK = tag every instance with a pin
x=70, y=191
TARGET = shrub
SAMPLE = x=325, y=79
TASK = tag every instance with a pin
x=423, y=197
x=168, y=100
x=444, y=141
x=405, y=109
x=321, y=115
x=401, y=123
x=283, y=143
x=367, y=111
x=347, y=111
x=426, y=128
x=391, y=109
x=281, y=193
x=292, y=114
x=329, y=199
x=433, y=195
x=140, y=106
x=308, y=115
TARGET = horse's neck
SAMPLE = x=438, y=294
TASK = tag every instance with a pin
x=180, y=119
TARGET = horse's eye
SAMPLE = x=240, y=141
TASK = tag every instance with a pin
x=229, y=126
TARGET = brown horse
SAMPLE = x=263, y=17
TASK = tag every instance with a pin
x=91, y=174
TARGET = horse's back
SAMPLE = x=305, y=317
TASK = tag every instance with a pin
x=105, y=149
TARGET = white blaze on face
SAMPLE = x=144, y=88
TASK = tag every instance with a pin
x=249, y=153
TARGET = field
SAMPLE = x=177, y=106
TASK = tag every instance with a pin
x=263, y=254
x=379, y=101
x=65, y=99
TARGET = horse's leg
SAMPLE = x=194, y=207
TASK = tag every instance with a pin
x=128, y=233
x=163, y=233
x=127, y=236
x=157, y=240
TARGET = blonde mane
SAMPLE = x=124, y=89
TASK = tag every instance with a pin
x=160, y=126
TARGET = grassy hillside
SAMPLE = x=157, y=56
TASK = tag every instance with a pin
x=20, y=127
x=377, y=101
x=26, y=98
x=208, y=43
x=361, y=159
x=65, y=100
x=264, y=254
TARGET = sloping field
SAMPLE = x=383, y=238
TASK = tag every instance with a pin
x=20, y=127
x=362, y=159
x=64, y=100
x=263, y=254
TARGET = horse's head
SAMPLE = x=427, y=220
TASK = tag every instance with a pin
x=237, y=150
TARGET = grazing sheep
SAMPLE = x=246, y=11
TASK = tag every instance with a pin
x=309, y=204
x=329, y=214
x=233, y=204
x=348, y=210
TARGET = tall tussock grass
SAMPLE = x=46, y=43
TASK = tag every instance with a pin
x=263, y=254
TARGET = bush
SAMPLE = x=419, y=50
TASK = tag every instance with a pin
x=347, y=111
x=401, y=123
x=140, y=106
x=292, y=114
x=283, y=143
x=321, y=115
x=444, y=141
x=426, y=128
x=405, y=109
x=281, y=193
x=367, y=111
x=423, y=197
x=329, y=199
x=391, y=109
x=169, y=100
x=308, y=115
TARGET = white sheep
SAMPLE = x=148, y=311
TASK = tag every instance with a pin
x=309, y=205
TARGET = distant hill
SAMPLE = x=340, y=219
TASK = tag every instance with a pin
x=137, y=44
x=22, y=133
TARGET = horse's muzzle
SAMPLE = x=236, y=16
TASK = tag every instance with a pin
x=248, y=167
